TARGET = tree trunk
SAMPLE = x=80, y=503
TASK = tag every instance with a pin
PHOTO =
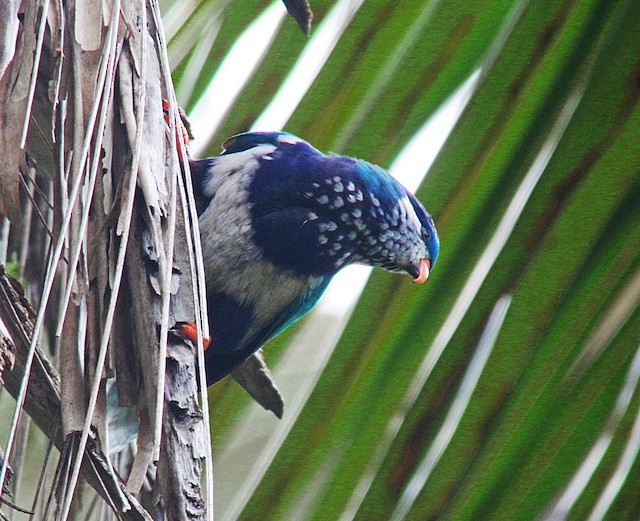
x=108, y=249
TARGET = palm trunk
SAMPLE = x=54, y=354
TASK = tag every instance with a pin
x=108, y=262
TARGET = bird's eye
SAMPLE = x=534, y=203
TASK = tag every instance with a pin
x=425, y=234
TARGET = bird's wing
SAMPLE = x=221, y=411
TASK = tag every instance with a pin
x=240, y=156
x=199, y=175
x=247, y=140
x=238, y=331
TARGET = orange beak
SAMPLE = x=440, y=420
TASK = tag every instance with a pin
x=425, y=267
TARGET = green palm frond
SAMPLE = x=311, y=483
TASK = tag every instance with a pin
x=535, y=194
x=507, y=387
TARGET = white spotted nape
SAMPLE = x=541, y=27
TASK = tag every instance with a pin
x=338, y=202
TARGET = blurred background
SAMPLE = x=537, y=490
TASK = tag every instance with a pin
x=507, y=386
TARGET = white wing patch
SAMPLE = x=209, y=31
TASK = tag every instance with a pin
x=242, y=163
x=288, y=138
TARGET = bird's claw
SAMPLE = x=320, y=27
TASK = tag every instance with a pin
x=182, y=132
x=189, y=331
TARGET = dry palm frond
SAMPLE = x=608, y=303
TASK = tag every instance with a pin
x=106, y=249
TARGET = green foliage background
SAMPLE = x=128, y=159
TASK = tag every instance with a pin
x=556, y=77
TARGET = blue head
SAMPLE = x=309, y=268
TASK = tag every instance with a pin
x=315, y=213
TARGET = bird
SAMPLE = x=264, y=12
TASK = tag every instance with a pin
x=277, y=220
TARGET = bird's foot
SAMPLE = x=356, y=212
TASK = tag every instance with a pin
x=183, y=133
x=189, y=331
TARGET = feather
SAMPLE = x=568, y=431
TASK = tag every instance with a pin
x=278, y=219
